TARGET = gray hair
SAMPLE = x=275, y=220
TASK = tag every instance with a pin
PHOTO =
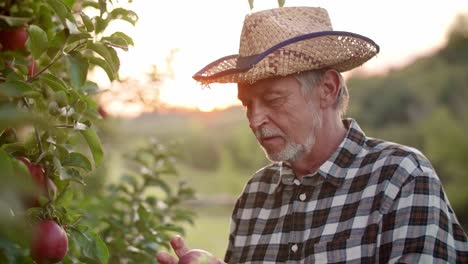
x=310, y=79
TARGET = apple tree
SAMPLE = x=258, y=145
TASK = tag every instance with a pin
x=49, y=131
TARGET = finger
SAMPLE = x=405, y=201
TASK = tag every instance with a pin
x=178, y=244
x=165, y=258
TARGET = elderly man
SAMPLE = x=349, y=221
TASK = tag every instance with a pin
x=332, y=194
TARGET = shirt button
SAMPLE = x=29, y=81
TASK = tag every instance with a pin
x=302, y=197
x=294, y=247
x=297, y=182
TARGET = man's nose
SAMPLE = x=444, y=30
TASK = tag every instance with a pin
x=257, y=118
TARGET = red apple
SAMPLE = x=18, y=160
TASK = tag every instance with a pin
x=14, y=39
x=198, y=256
x=49, y=242
x=37, y=172
x=44, y=183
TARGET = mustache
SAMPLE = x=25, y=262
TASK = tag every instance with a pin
x=265, y=132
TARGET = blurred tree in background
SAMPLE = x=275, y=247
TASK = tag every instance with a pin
x=424, y=105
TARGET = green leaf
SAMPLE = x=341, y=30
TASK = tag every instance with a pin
x=14, y=147
x=14, y=21
x=5, y=165
x=170, y=227
x=124, y=14
x=15, y=175
x=65, y=198
x=75, y=175
x=102, y=7
x=62, y=11
x=78, y=38
x=90, y=88
x=107, y=53
x=105, y=66
x=143, y=213
x=77, y=68
x=78, y=160
x=115, y=60
x=119, y=34
x=75, y=40
x=161, y=184
x=90, y=4
x=53, y=82
x=67, y=173
x=72, y=217
x=281, y=3
x=101, y=24
x=87, y=22
x=10, y=116
x=37, y=41
x=69, y=3
x=15, y=88
x=94, y=144
x=63, y=175
x=130, y=180
x=58, y=40
x=251, y=4
x=91, y=245
x=117, y=42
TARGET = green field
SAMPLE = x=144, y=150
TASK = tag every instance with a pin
x=211, y=229
x=216, y=192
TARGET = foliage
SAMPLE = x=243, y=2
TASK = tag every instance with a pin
x=48, y=115
x=138, y=214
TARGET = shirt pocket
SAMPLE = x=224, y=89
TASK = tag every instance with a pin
x=344, y=250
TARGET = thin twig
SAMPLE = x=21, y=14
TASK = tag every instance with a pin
x=64, y=126
x=54, y=60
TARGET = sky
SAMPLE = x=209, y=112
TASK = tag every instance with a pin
x=195, y=33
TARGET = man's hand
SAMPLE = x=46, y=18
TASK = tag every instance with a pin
x=186, y=255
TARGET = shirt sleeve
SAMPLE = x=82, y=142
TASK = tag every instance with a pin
x=420, y=226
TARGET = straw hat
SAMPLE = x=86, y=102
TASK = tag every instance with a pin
x=287, y=40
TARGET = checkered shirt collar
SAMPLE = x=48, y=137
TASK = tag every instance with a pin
x=333, y=170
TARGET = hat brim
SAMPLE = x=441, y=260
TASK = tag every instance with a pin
x=339, y=50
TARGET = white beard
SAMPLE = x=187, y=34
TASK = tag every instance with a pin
x=292, y=151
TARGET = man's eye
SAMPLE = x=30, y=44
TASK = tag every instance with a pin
x=273, y=101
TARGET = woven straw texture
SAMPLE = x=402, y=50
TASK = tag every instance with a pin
x=262, y=30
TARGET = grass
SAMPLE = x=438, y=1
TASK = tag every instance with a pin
x=212, y=183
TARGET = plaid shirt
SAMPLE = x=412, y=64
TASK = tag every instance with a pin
x=371, y=201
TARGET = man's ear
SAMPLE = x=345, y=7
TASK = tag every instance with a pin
x=329, y=88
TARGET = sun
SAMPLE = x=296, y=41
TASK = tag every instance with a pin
x=206, y=107
x=190, y=94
